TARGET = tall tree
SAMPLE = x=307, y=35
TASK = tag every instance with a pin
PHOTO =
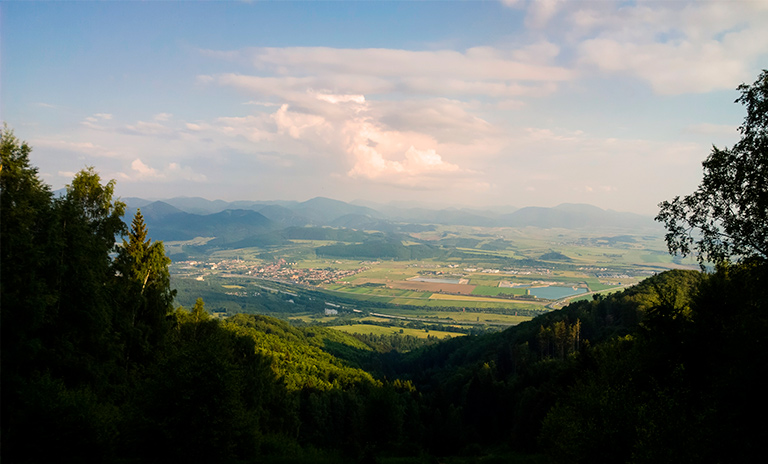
x=147, y=298
x=727, y=216
x=87, y=223
x=25, y=234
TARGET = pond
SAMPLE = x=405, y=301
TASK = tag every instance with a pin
x=555, y=292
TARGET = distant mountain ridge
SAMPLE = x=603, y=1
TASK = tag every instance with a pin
x=184, y=218
x=574, y=216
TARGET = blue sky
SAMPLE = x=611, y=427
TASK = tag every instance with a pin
x=451, y=103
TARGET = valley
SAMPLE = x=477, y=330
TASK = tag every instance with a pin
x=439, y=280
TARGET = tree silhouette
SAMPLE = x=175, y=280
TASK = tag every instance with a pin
x=727, y=216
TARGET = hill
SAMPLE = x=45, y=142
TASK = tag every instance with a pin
x=170, y=223
x=187, y=218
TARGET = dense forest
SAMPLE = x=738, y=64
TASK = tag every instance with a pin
x=99, y=365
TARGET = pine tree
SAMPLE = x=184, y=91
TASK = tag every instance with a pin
x=147, y=296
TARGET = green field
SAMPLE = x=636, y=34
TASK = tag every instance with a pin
x=494, y=291
x=380, y=330
x=458, y=316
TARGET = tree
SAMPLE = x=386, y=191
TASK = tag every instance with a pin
x=87, y=222
x=25, y=234
x=727, y=216
x=147, y=297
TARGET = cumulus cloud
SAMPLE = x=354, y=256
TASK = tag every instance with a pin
x=379, y=154
x=400, y=116
x=145, y=171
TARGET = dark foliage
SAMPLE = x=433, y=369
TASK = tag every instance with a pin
x=727, y=216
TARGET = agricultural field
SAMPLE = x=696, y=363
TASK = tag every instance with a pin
x=489, y=282
x=382, y=330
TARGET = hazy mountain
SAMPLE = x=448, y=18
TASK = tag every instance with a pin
x=282, y=215
x=197, y=205
x=154, y=211
x=172, y=219
x=362, y=222
x=323, y=211
x=575, y=216
x=444, y=216
x=167, y=222
x=132, y=202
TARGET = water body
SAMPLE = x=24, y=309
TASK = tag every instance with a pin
x=555, y=293
x=436, y=281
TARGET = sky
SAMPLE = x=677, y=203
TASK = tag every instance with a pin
x=442, y=103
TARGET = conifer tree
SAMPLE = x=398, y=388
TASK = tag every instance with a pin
x=147, y=298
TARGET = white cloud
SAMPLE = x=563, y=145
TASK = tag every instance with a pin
x=332, y=71
x=541, y=11
x=359, y=99
x=677, y=47
x=297, y=124
x=670, y=69
x=85, y=148
x=149, y=129
x=254, y=128
x=94, y=122
x=185, y=173
x=171, y=172
x=145, y=171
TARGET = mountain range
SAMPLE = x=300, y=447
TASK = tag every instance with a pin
x=184, y=218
